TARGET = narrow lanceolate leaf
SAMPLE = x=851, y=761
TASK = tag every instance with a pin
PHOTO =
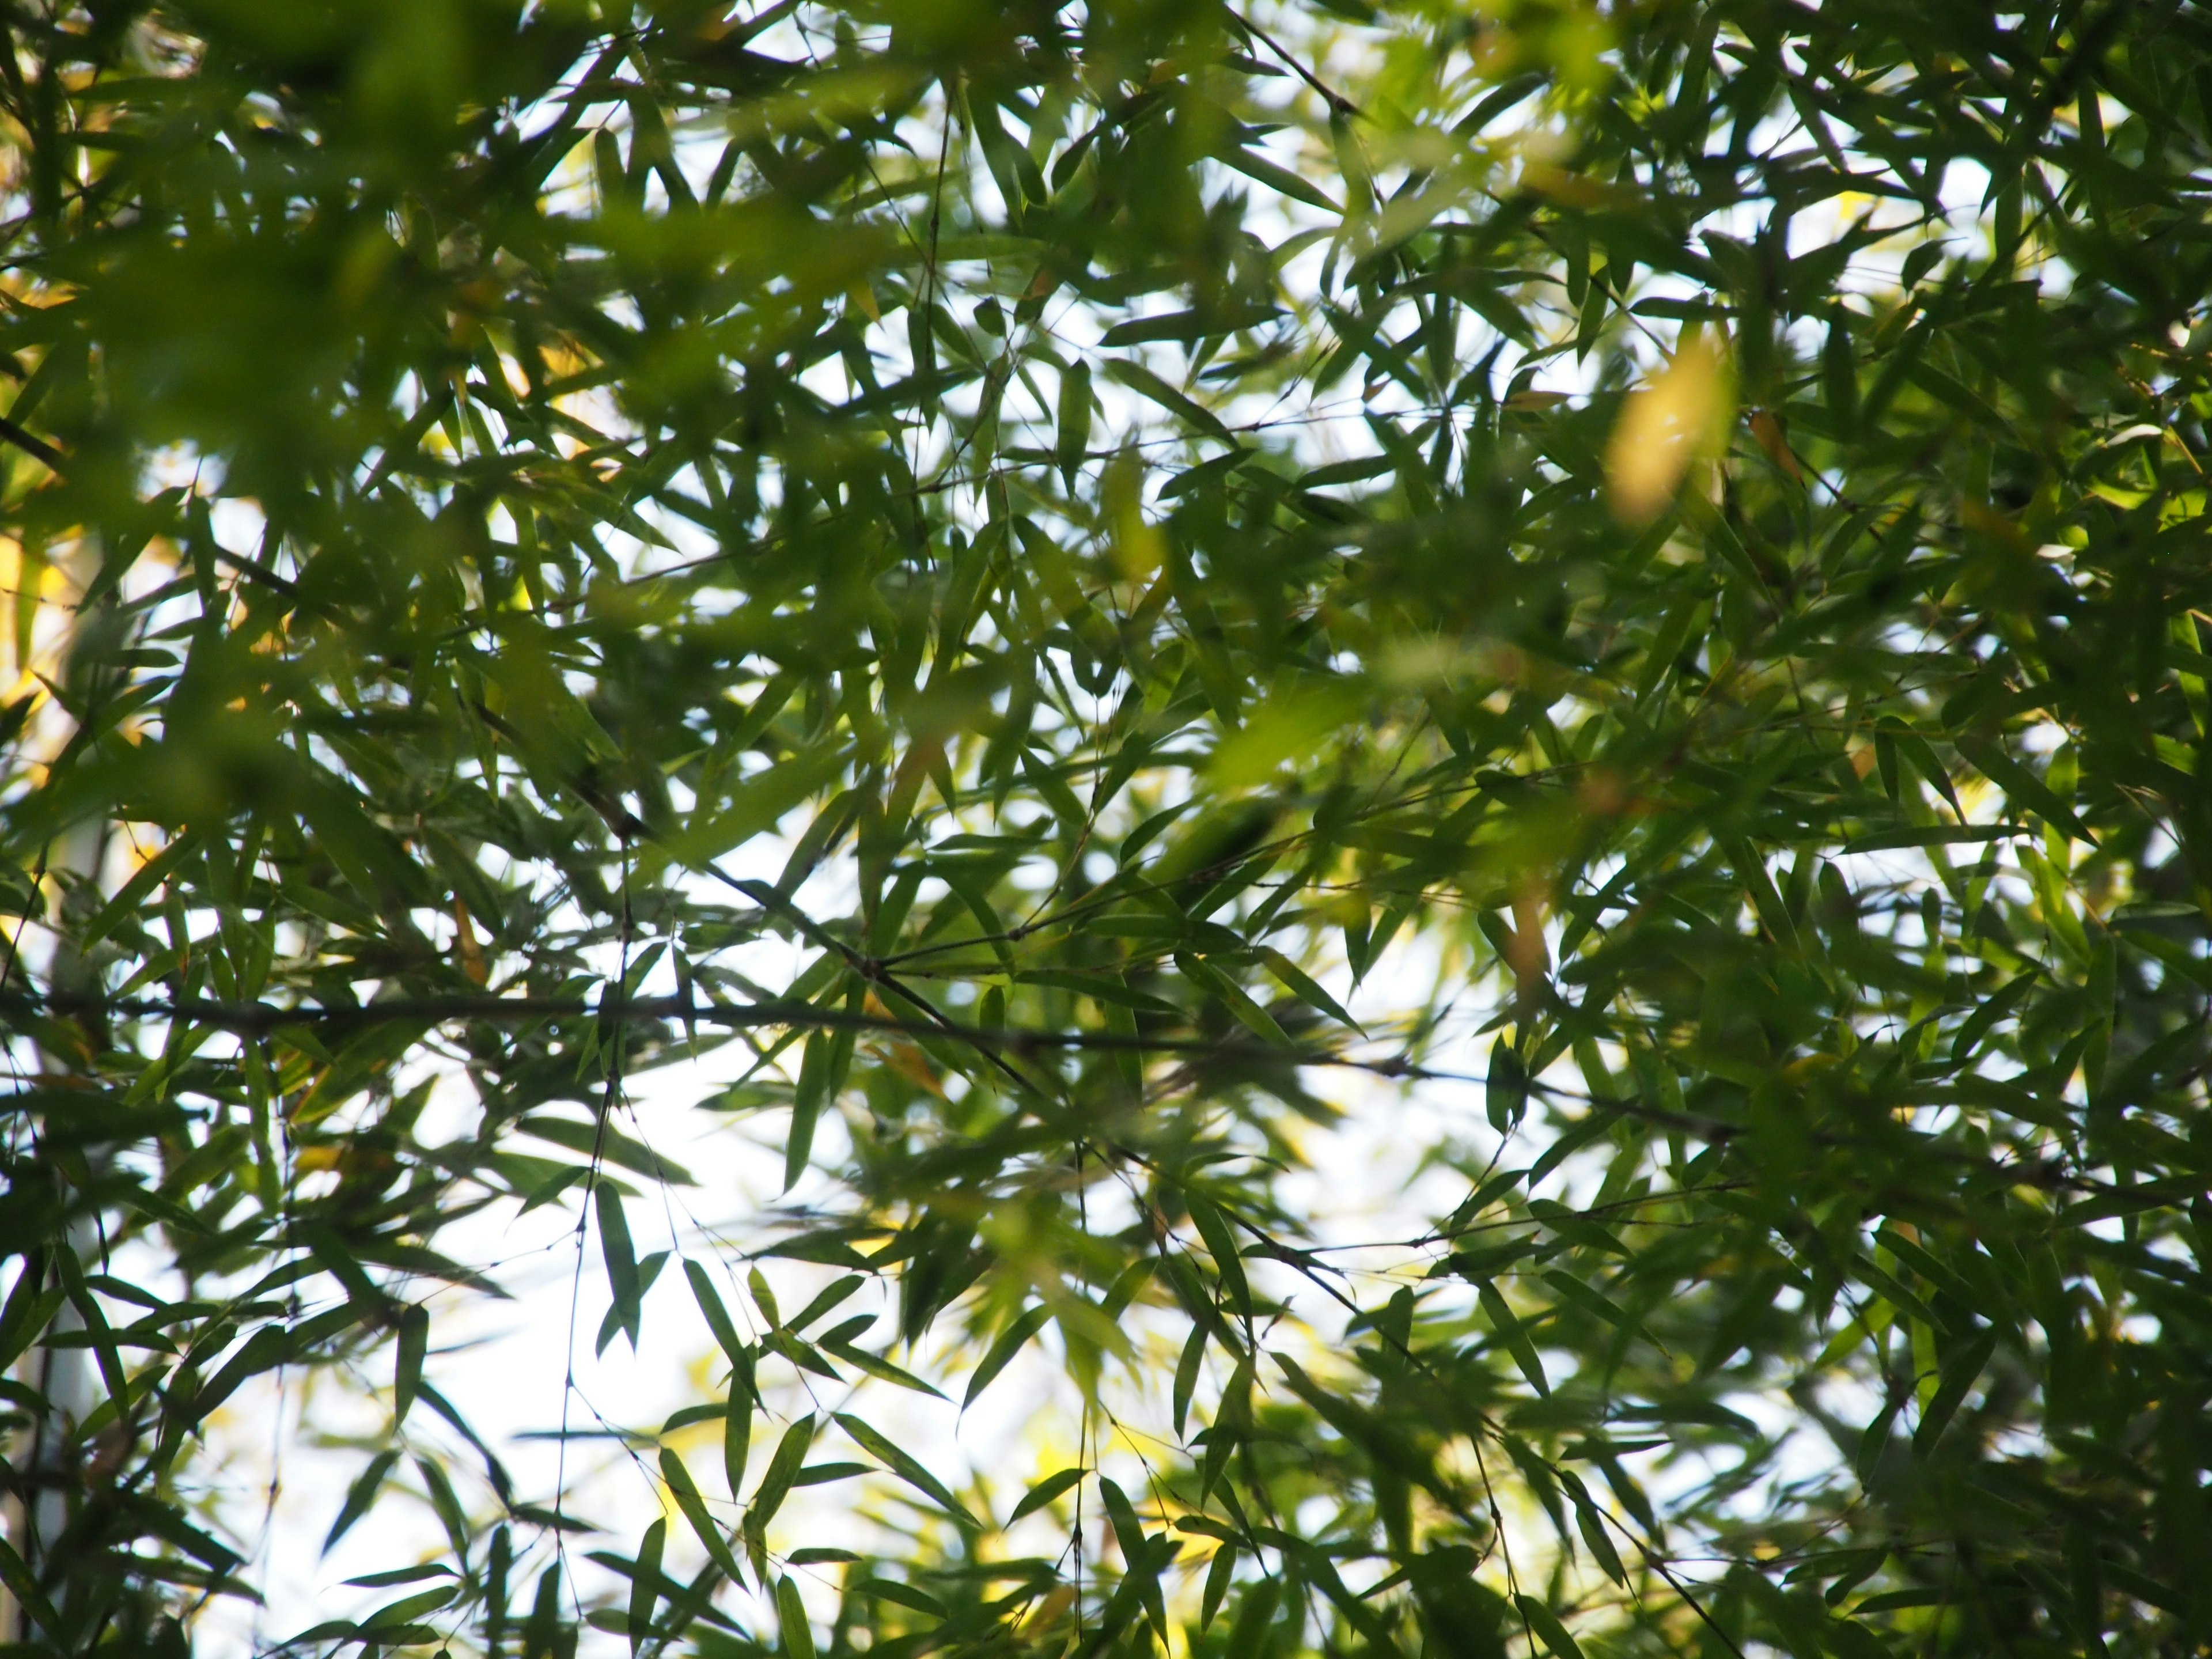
x=1546, y=1625
x=1219, y=1575
x=791, y=1619
x=1511, y=1332
x=620, y=1259
x=263, y=1350
x=1129, y=1531
x=28, y=1309
x=645, y=1584
x=1959, y=1375
x=819, y=1080
x=782, y=1471
x=1508, y=1089
x=833, y=1297
x=23, y=1585
x=414, y=1345
x=906, y=1595
x=1146, y=384
x=902, y=1465
x=1010, y=1342
x=1221, y=1237
x=685, y=1491
x=403, y=1575
x=104, y=1354
x=1074, y=437
x=876, y=1366
x=1186, y=1373
x=1306, y=989
x=1044, y=1492
x=738, y=1423
x=1591, y=1523
x=1248, y=1632
x=395, y=1616
x=1277, y=178
x=716, y=1315
x=360, y=1497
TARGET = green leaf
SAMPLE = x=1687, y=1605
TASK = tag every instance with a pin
x=716, y=1315
x=1545, y=1623
x=1221, y=1243
x=1129, y=1531
x=782, y=1471
x=397, y=1616
x=1254, y=1619
x=1515, y=1338
x=265, y=1350
x=23, y=1585
x=876, y=1366
x=645, y=1584
x=1045, y=1492
x=1219, y=1574
x=901, y=1464
x=1010, y=1342
x=820, y=1075
x=605, y=1142
x=1187, y=326
x=1142, y=382
x=623, y=1285
x=688, y=1499
x=738, y=1424
x=1279, y=179
x=905, y=1596
x=414, y=1345
x=2021, y=785
x=1073, y=440
x=834, y=1295
x=791, y=1620
x=1592, y=1526
x=1296, y=980
x=1187, y=1368
x=1959, y=1373
x=763, y=1298
x=1507, y=1090
x=102, y=1340
x=403, y=1576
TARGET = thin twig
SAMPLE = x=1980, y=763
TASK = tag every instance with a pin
x=1335, y=100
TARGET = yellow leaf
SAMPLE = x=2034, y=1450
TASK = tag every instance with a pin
x=465, y=942
x=1681, y=416
x=1767, y=427
x=910, y=1063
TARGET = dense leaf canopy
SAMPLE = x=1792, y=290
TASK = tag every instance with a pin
x=1109, y=610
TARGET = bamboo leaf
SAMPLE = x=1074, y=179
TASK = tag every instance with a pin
x=414, y=1345
x=781, y=1473
x=1010, y=1342
x=688, y=1499
x=1044, y=1492
x=902, y=1465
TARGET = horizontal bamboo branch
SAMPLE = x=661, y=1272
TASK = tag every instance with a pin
x=267, y=1017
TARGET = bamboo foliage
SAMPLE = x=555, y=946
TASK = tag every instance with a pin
x=1623, y=580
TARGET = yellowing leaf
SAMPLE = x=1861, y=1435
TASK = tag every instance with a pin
x=1681, y=416
x=464, y=944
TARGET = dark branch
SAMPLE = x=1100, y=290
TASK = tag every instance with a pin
x=263, y=1018
x=36, y=448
